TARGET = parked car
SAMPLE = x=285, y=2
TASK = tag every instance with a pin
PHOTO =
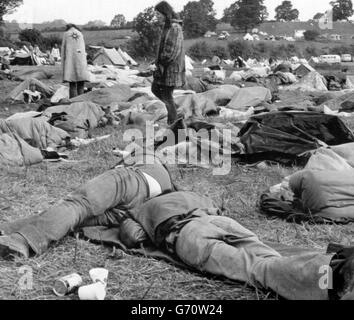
x=346, y=58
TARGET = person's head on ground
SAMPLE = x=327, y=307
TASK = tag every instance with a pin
x=165, y=12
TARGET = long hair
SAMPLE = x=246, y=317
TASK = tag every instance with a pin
x=165, y=9
x=71, y=25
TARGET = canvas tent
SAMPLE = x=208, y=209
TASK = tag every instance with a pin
x=303, y=69
x=248, y=37
x=108, y=57
x=128, y=59
x=4, y=51
x=23, y=59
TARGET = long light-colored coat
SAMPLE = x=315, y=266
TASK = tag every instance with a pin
x=74, y=60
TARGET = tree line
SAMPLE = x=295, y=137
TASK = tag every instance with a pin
x=200, y=16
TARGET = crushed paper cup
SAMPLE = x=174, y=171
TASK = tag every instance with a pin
x=99, y=275
x=95, y=291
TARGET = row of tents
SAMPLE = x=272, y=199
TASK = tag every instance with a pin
x=105, y=56
x=101, y=56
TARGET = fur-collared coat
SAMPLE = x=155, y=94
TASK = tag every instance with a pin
x=170, y=63
x=74, y=57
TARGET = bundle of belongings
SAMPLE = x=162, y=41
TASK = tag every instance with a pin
x=342, y=103
x=110, y=75
x=31, y=57
x=323, y=192
x=31, y=90
x=285, y=137
x=311, y=82
x=25, y=139
x=5, y=67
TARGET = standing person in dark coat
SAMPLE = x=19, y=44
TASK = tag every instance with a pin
x=170, y=70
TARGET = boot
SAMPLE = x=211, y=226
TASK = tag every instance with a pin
x=14, y=245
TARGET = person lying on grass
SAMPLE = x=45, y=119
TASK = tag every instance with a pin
x=101, y=201
x=188, y=227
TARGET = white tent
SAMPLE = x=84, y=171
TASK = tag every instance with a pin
x=314, y=60
x=127, y=57
x=109, y=57
x=299, y=34
x=248, y=37
x=4, y=51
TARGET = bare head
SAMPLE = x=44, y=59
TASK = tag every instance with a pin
x=71, y=25
x=165, y=12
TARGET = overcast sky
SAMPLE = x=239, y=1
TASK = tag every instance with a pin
x=80, y=12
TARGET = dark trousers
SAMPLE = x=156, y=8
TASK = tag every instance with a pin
x=165, y=94
x=76, y=89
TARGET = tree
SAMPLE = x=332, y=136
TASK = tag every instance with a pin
x=118, y=21
x=228, y=13
x=149, y=31
x=311, y=35
x=95, y=24
x=247, y=14
x=342, y=9
x=286, y=12
x=198, y=18
x=8, y=6
x=32, y=36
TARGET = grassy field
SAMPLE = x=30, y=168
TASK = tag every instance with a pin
x=117, y=38
x=28, y=191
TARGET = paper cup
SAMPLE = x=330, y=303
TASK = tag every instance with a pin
x=99, y=275
x=95, y=291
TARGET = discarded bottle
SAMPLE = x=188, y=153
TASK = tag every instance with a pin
x=67, y=284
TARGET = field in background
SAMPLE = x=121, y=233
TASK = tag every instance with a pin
x=108, y=38
x=117, y=38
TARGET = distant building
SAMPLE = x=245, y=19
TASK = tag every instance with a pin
x=210, y=34
x=346, y=58
x=299, y=34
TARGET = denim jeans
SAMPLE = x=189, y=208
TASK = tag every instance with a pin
x=101, y=201
x=221, y=246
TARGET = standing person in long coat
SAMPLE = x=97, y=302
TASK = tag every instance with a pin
x=170, y=70
x=74, y=60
